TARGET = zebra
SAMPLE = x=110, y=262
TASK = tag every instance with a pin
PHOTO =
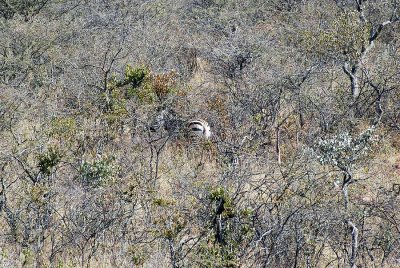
x=193, y=137
x=199, y=128
x=167, y=120
x=158, y=122
x=170, y=121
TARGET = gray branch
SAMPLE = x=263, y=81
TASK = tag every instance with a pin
x=351, y=71
x=354, y=244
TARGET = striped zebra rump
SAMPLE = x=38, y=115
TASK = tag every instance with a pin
x=201, y=144
x=194, y=135
x=199, y=128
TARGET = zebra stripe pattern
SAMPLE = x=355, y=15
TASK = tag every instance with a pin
x=200, y=128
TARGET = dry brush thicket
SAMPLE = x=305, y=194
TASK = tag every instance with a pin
x=97, y=168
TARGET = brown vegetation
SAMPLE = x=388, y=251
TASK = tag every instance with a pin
x=302, y=169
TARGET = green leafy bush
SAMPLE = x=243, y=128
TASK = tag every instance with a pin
x=48, y=160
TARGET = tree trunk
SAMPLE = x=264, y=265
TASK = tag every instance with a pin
x=354, y=244
x=277, y=145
